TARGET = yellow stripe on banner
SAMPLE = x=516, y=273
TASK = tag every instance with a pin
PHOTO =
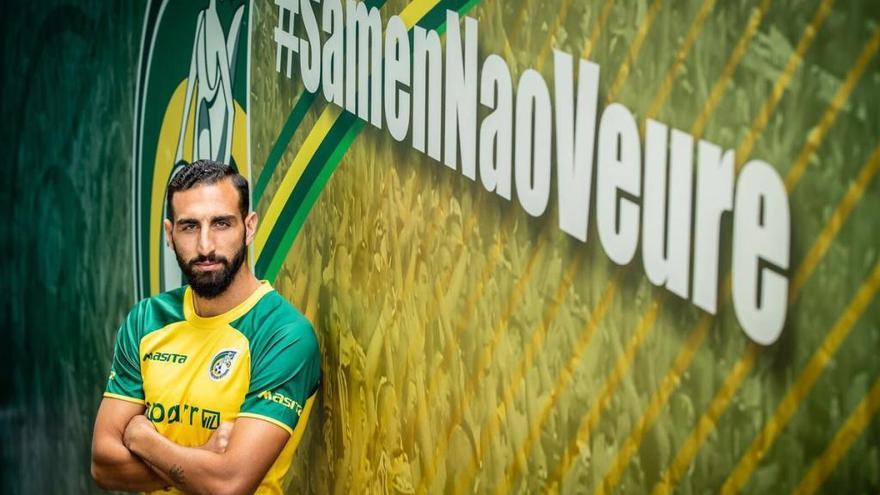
x=706, y=423
x=444, y=284
x=551, y=40
x=292, y=175
x=519, y=22
x=470, y=310
x=721, y=84
x=162, y=167
x=483, y=362
x=644, y=327
x=680, y=57
x=794, y=61
x=852, y=197
x=596, y=29
x=658, y=400
x=762, y=443
x=466, y=476
x=634, y=49
x=709, y=419
x=816, y=135
x=855, y=424
x=410, y=15
x=683, y=359
x=565, y=377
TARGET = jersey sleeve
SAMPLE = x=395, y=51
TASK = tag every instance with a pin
x=285, y=371
x=125, y=381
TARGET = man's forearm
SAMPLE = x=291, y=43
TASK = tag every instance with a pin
x=190, y=469
x=158, y=472
x=118, y=469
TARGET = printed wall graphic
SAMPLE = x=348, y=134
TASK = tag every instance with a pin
x=547, y=247
x=511, y=351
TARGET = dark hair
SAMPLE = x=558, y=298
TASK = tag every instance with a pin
x=202, y=172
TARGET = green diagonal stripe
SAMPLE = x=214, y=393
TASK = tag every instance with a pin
x=325, y=161
x=274, y=266
x=293, y=121
x=325, y=150
x=297, y=114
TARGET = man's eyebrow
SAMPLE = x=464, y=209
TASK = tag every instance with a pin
x=223, y=218
x=186, y=221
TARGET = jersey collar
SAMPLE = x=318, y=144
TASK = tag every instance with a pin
x=191, y=316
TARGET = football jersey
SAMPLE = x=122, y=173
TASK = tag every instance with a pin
x=260, y=359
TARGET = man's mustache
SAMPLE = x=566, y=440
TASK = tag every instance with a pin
x=211, y=258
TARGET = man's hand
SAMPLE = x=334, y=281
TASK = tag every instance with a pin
x=136, y=428
x=219, y=439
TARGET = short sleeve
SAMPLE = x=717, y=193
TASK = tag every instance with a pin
x=125, y=381
x=285, y=370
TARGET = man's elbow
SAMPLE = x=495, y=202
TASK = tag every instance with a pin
x=229, y=486
x=99, y=475
x=104, y=470
x=228, y=490
x=231, y=489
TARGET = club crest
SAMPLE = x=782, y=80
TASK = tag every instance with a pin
x=221, y=364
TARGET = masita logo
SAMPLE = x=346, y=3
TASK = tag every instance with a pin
x=281, y=399
x=165, y=357
x=221, y=364
x=191, y=104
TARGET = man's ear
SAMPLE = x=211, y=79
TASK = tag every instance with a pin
x=168, y=227
x=250, y=227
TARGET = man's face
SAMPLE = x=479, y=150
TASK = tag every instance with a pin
x=209, y=236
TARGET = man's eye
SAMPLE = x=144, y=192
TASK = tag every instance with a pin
x=222, y=224
x=188, y=228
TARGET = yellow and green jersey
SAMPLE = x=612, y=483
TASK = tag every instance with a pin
x=259, y=359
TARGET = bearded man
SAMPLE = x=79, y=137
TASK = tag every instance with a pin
x=211, y=384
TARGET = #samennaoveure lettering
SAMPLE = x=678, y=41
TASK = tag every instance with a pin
x=665, y=193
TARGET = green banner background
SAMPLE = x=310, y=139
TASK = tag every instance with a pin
x=67, y=93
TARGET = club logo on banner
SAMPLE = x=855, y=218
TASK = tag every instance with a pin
x=191, y=104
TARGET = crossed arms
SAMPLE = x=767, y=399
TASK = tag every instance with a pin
x=129, y=454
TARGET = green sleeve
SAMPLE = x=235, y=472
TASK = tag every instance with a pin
x=285, y=369
x=125, y=381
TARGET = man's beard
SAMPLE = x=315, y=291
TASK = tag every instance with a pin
x=211, y=284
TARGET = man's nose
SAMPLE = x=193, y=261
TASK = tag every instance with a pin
x=206, y=242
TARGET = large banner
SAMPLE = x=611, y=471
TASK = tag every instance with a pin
x=565, y=246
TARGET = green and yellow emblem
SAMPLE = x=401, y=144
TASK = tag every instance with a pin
x=221, y=364
x=192, y=104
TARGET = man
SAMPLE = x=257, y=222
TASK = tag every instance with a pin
x=226, y=348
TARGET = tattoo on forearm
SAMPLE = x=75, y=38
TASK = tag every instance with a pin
x=176, y=475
